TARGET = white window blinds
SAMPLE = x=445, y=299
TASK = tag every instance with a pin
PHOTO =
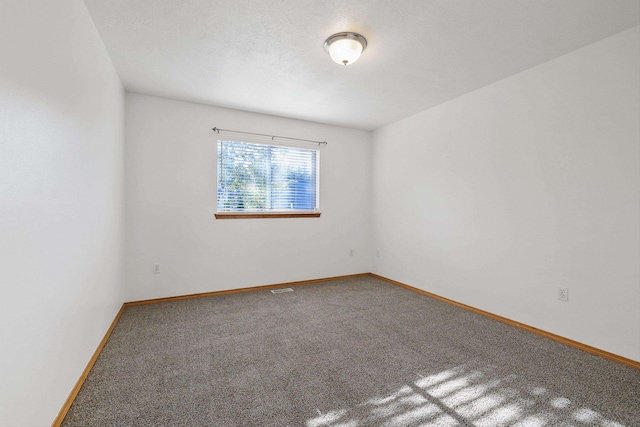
x=256, y=177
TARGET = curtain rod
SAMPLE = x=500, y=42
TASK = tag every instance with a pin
x=217, y=130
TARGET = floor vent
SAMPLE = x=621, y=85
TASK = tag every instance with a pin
x=280, y=291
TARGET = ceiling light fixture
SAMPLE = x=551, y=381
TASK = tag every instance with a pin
x=345, y=48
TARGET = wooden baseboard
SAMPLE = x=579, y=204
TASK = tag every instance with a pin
x=593, y=350
x=74, y=392
x=234, y=291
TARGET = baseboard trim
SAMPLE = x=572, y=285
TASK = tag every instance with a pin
x=235, y=291
x=593, y=350
x=76, y=389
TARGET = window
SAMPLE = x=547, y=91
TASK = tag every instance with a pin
x=260, y=180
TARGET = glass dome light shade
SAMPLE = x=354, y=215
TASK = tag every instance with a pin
x=345, y=51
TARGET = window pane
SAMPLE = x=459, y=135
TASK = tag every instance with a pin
x=258, y=177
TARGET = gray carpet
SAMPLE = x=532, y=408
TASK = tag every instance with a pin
x=355, y=352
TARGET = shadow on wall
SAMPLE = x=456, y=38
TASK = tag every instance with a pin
x=462, y=397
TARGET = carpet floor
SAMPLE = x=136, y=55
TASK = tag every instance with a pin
x=353, y=352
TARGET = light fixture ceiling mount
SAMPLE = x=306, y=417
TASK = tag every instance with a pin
x=345, y=48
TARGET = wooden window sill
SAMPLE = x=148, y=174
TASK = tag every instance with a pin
x=249, y=215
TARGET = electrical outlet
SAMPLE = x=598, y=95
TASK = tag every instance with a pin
x=378, y=253
x=156, y=268
x=350, y=252
x=563, y=293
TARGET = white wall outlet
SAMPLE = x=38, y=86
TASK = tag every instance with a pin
x=350, y=252
x=156, y=268
x=378, y=253
x=563, y=293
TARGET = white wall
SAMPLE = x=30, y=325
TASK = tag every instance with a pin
x=61, y=176
x=171, y=200
x=500, y=196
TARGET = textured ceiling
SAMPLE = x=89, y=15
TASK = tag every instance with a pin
x=267, y=56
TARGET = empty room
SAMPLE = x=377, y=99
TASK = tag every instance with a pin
x=320, y=214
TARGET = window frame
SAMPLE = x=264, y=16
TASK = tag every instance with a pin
x=282, y=213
